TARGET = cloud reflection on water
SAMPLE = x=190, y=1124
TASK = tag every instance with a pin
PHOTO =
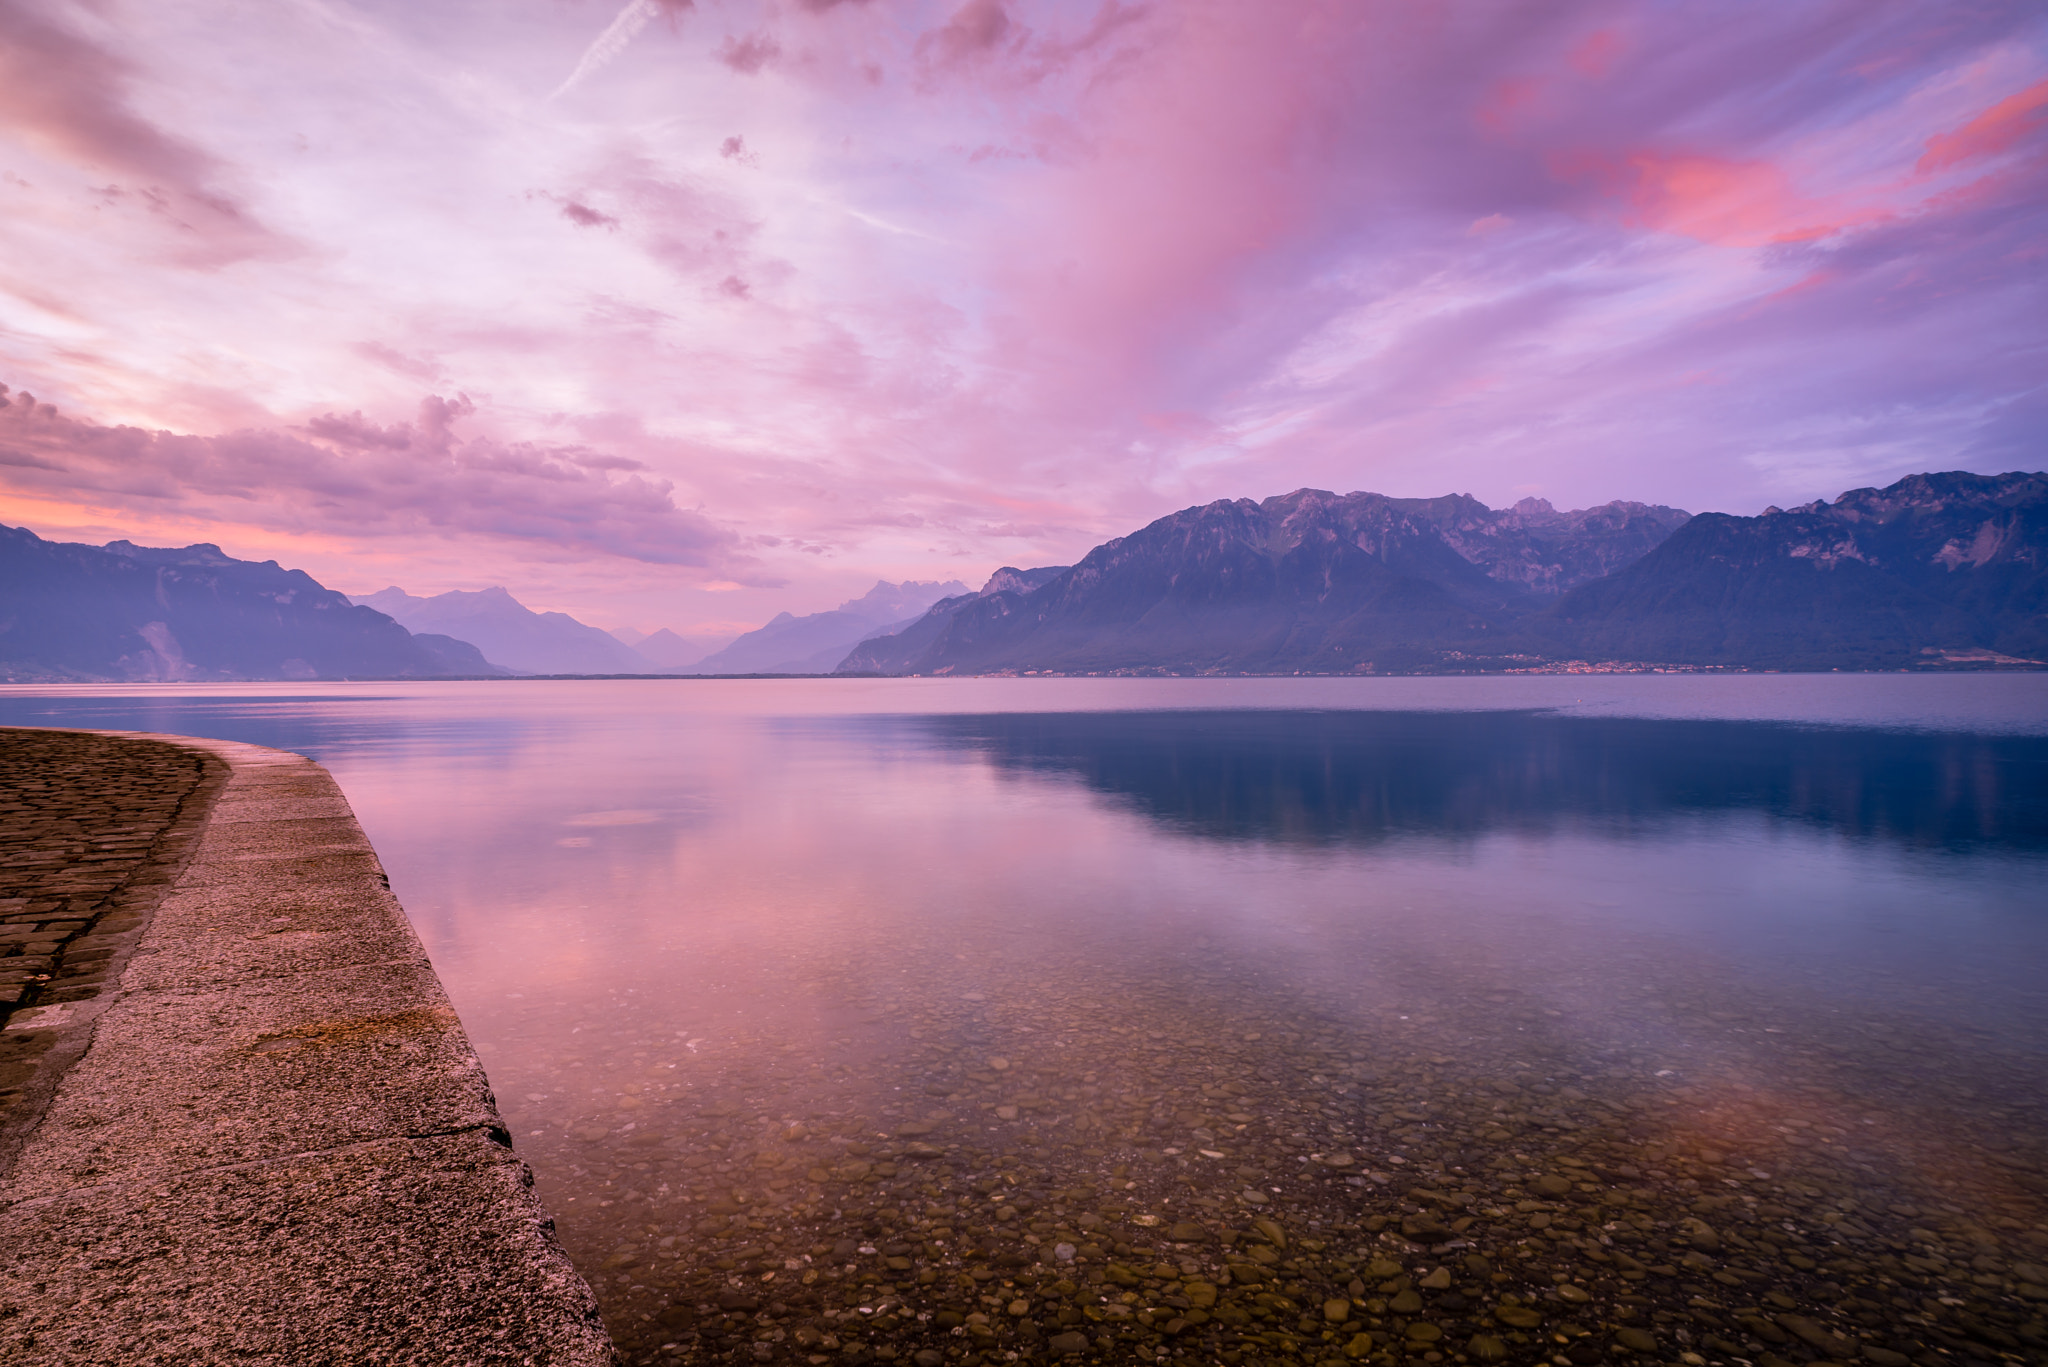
x=1814, y=948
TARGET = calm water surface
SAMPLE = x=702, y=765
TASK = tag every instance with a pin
x=876, y=1019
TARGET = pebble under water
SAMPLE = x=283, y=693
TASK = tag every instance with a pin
x=1393, y=1112
x=962, y=1024
x=1193, y=1161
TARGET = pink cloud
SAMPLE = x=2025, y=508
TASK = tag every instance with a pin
x=976, y=29
x=1595, y=55
x=1509, y=104
x=347, y=476
x=988, y=282
x=749, y=54
x=354, y=432
x=1998, y=129
x=1711, y=198
x=69, y=97
x=396, y=361
x=583, y=216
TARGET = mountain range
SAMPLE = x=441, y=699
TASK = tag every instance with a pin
x=1305, y=581
x=1938, y=571
x=123, y=612
x=1935, y=570
x=511, y=634
x=128, y=613
x=668, y=651
x=819, y=641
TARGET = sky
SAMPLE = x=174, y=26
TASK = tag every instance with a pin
x=682, y=314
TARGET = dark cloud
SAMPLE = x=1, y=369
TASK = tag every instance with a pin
x=749, y=54
x=583, y=216
x=67, y=97
x=976, y=28
x=23, y=405
x=359, y=434
x=438, y=417
x=350, y=477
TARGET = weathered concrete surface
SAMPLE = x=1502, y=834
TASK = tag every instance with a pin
x=278, y=1146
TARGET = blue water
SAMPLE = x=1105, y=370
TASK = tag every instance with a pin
x=797, y=898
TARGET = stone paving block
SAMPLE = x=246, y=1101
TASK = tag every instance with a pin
x=260, y=804
x=229, y=1074
x=426, y=1251
x=332, y=868
x=217, y=933
x=284, y=839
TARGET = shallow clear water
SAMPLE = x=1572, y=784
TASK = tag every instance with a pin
x=769, y=973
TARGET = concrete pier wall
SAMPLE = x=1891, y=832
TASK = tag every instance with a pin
x=272, y=1141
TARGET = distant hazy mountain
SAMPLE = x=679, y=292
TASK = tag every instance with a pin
x=511, y=634
x=816, y=643
x=666, y=650
x=1310, y=580
x=135, y=613
x=1935, y=568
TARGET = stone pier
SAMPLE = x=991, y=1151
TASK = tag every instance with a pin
x=239, y=1121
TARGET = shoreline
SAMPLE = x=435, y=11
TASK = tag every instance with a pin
x=273, y=1141
x=1947, y=663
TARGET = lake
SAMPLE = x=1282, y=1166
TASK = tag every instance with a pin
x=1262, y=1020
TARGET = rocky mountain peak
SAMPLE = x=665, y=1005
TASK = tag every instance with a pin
x=1010, y=579
x=1324, y=582
x=199, y=553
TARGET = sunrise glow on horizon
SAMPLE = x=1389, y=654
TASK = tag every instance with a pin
x=684, y=314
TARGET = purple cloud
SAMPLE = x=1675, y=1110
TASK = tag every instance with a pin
x=345, y=475
x=70, y=97
x=1023, y=274
x=976, y=28
x=749, y=54
x=583, y=216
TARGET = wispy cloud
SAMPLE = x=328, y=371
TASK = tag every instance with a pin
x=617, y=37
x=71, y=98
x=344, y=474
x=910, y=291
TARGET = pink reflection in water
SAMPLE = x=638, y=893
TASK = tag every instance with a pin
x=761, y=970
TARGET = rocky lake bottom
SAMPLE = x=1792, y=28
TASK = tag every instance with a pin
x=1160, y=1163
x=978, y=1022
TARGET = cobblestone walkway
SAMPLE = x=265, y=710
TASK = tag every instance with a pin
x=92, y=828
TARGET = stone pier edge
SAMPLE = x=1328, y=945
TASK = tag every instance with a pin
x=273, y=1141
